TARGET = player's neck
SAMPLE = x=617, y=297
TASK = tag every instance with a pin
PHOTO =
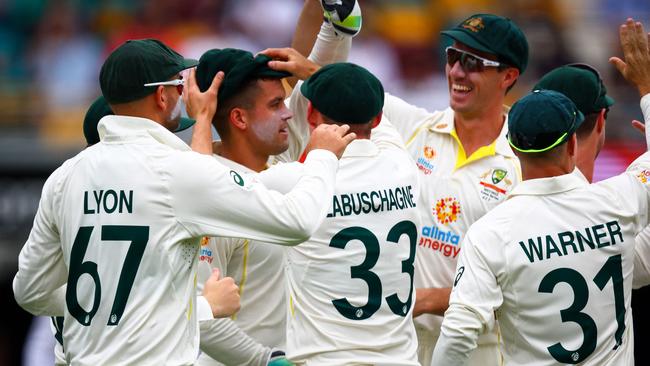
x=477, y=131
x=586, y=160
x=243, y=155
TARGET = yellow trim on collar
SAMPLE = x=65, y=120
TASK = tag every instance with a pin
x=480, y=153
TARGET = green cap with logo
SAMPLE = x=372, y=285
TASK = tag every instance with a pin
x=100, y=108
x=139, y=62
x=493, y=34
x=581, y=83
x=345, y=92
x=239, y=67
x=541, y=121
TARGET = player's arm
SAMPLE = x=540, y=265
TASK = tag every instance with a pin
x=39, y=285
x=211, y=199
x=431, y=301
x=642, y=259
x=201, y=108
x=408, y=119
x=475, y=297
x=225, y=342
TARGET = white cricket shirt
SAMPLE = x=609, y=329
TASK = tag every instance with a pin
x=258, y=270
x=456, y=190
x=351, y=283
x=120, y=224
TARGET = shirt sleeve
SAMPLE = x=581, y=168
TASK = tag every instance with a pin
x=475, y=296
x=408, y=119
x=645, y=110
x=39, y=285
x=222, y=340
x=214, y=253
x=330, y=47
x=386, y=134
x=210, y=199
x=642, y=259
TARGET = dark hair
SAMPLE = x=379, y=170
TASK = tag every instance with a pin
x=501, y=68
x=589, y=123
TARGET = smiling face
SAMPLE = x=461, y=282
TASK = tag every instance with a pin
x=472, y=92
x=268, y=128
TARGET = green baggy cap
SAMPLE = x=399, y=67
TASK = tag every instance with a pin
x=579, y=82
x=345, y=92
x=239, y=67
x=541, y=121
x=100, y=108
x=139, y=62
x=493, y=34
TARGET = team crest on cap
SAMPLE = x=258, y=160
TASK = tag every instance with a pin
x=447, y=210
x=474, y=24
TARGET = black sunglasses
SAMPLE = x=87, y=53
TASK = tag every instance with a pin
x=468, y=61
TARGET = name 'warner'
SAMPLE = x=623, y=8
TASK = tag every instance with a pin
x=571, y=242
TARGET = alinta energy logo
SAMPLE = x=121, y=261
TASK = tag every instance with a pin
x=643, y=176
x=446, y=210
x=424, y=161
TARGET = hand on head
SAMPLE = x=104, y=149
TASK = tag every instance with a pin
x=331, y=137
x=290, y=60
x=635, y=67
x=201, y=106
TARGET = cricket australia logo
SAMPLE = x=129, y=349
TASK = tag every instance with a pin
x=447, y=210
x=474, y=24
x=494, y=184
x=498, y=175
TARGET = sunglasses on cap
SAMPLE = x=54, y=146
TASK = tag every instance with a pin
x=469, y=61
x=178, y=83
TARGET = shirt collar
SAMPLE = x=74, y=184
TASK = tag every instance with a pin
x=361, y=148
x=116, y=128
x=233, y=164
x=445, y=124
x=550, y=185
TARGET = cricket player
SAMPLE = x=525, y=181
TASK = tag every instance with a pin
x=561, y=287
x=98, y=110
x=465, y=162
x=351, y=283
x=115, y=242
x=256, y=132
x=464, y=159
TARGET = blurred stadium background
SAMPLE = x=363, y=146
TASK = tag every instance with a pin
x=51, y=53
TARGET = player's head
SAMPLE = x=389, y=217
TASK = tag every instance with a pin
x=250, y=100
x=100, y=108
x=142, y=78
x=488, y=54
x=541, y=131
x=583, y=85
x=344, y=93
